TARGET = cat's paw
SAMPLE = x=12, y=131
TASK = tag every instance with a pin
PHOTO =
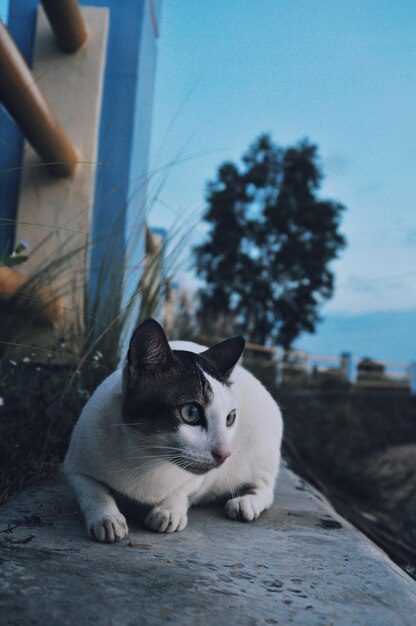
x=245, y=508
x=166, y=520
x=108, y=527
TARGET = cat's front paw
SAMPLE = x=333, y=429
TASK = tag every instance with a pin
x=109, y=527
x=245, y=508
x=166, y=520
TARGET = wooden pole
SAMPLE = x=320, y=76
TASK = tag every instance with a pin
x=25, y=102
x=67, y=23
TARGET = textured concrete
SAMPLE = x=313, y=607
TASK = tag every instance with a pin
x=55, y=213
x=298, y=564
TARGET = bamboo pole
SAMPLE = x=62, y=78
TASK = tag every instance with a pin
x=67, y=23
x=25, y=102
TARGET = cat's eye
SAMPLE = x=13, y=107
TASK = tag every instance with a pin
x=231, y=417
x=190, y=413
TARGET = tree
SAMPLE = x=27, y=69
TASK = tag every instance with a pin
x=266, y=259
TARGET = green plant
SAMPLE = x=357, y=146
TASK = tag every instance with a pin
x=23, y=317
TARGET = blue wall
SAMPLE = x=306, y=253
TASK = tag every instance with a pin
x=21, y=23
x=124, y=137
x=120, y=158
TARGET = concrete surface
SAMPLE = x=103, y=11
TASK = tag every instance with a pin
x=299, y=563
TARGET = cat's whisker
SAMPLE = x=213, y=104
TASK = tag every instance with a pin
x=183, y=465
x=156, y=461
x=142, y=421
x=126, y=424
x=173, y=451
x=129, y=468
x=148, y=456
x=233, y=483
x=152, y=446
x=230, y=485
x=151, y=468
x=149, y=448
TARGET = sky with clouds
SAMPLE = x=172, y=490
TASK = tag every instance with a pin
x=342, y=74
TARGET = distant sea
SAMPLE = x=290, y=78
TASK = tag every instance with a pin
x=384, y=335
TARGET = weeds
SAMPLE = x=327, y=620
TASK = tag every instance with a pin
x=46, y=377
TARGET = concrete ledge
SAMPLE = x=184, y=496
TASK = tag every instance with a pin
x=300, y=563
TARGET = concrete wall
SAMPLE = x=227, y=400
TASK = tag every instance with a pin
x=119, y=196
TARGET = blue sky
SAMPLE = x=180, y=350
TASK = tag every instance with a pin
x=341, y=73
x=4, y=4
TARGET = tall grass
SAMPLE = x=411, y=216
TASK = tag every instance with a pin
x=25, y=317
x=47, y=373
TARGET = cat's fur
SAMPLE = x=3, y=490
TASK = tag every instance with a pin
x=131, y=437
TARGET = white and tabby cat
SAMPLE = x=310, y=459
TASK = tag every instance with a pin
x=181, y=424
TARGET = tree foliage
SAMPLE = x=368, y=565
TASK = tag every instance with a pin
x=266, y=259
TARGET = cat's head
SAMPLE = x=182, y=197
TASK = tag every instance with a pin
x=180, y=401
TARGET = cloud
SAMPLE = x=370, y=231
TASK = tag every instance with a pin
x=370, y=188
x=410, y=239
x=384, y=334
x=358, y=284
x=336, y=164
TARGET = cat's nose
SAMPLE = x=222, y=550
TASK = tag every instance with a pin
x=220, y=455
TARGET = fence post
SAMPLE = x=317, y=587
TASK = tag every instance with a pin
x=413, y=377
x=346, y=365
x=26, y=104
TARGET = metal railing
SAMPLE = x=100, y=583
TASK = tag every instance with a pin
x=67, y=23
x=299, y=369
x=22, y=97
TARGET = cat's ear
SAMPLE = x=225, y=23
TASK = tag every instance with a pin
x=223, y=357
x=149, y=348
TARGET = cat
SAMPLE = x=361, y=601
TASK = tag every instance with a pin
x=180, y=424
